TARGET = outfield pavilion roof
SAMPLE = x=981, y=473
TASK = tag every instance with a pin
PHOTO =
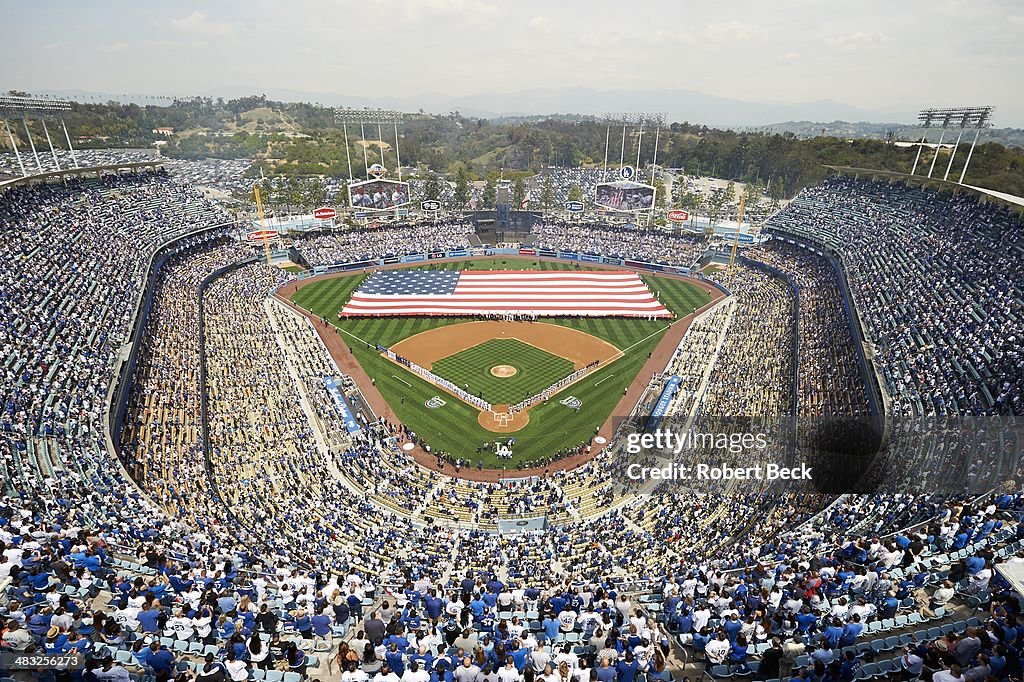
x=47, y=175
x=989, y=194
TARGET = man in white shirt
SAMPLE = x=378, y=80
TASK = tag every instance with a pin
x=508, y=672
x=128, y=617
x=181, y=626
x=386, y=675
x=414, y=673
x=467, y=671
x=952, y=675
x=16, y=637
x=539, y=658
x=701, y=616
x=717, y=650
x=568, y=657
x=912, y=663
x=454, y=606
x=567, y=620
x=942, y=594
x=110, y=672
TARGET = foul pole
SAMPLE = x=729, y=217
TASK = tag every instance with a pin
x=263, y=227
x=736, y=236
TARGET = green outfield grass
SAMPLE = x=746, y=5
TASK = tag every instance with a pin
x=471, y=369
x=454, y=428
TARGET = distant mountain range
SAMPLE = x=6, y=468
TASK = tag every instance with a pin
x=680, y=105
x=802, y=119
x=1009, y=137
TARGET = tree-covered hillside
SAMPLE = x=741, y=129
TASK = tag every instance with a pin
x=302, y=139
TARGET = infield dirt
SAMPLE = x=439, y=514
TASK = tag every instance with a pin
x=578, y=347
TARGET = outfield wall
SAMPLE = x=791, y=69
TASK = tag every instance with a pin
x=483, y=252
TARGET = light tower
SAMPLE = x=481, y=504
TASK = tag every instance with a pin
x=25, y=106
x=362, y=118
x=962, y=118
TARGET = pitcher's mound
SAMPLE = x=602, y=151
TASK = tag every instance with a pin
x=500, y=421
x=503, y=371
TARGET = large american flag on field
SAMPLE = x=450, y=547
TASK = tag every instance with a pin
x=591, y=293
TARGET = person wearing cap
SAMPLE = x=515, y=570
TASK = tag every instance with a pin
x=56, y=642
x=386, y=675
x=162, y=661
x=953, y=674
x=237, y=669
x=210, y=671
x=109, y=672
x=17, y=638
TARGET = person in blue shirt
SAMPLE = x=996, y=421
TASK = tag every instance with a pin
x=732, y=627
x=394, y=658
x=423, y=657
x=477, y=605
x=851, y=631
x=606, y=673
x=161, y=661
x=226, y=603
x=551, y=626
x=149, y=619
x=321, y=624
x=487, y=621
x=412, y=596
x=575, y=600
x=684, y=621
x=833, y=633
x=973, y=564
x=467, y=584
x=355, y=605
x=441, y=674
x=519, y=655
x=738, y=651
x=433, y=605
x=303, y=623
x=626, y=668
x=398, y=638
x=889, y=605
x=805, y=621
x=700, y=641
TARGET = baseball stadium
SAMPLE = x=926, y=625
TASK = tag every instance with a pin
x=305, y=392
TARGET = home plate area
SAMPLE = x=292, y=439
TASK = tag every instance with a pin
x=504, y=368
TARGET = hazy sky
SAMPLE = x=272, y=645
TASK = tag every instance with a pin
x=892, y=55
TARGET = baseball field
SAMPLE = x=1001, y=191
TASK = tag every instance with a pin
x=502, y=365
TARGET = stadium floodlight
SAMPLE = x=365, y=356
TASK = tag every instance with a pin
x=944, y=118
x=362, y=117
x=16, y=104
x=640, y=119
x=30, y=105
x=369, y=116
